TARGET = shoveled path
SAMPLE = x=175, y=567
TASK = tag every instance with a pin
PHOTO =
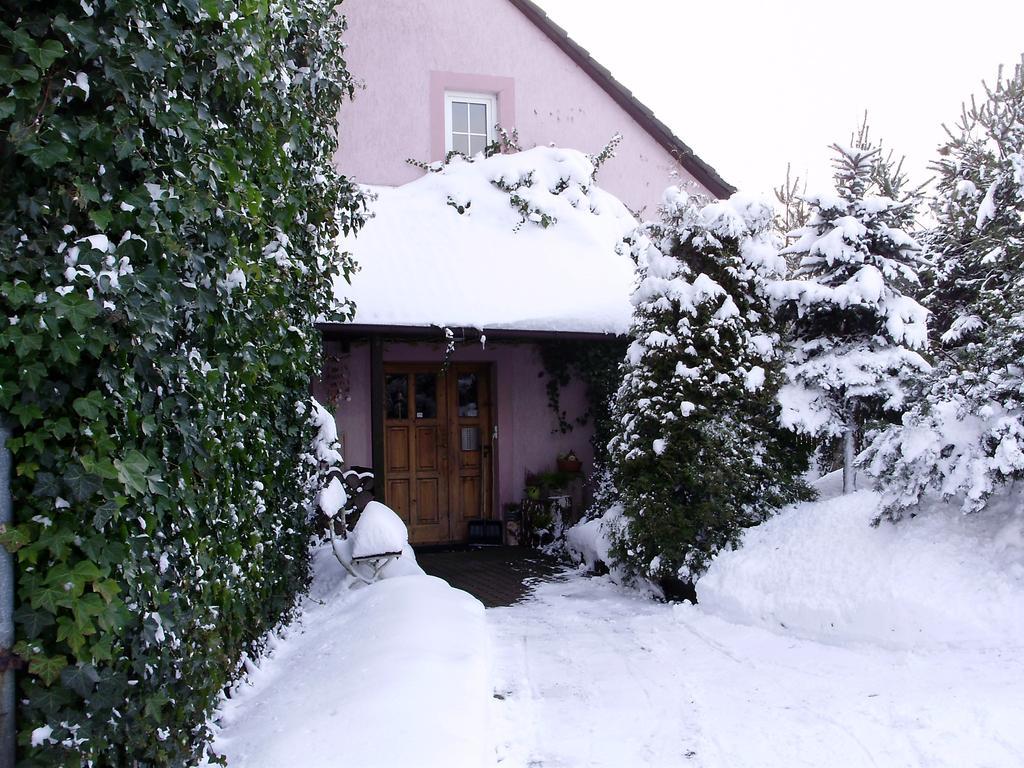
x=496, y=576
x=587, y=675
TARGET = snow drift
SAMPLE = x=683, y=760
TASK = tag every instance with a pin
x=590, y=541
x=821, y=571
x=391, y=674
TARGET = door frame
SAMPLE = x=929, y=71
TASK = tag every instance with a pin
x=447, y=378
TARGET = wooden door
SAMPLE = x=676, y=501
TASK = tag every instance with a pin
x=470, y=455
x=416, y=450
x=437, y=448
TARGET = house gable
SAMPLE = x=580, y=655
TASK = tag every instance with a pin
x=410, y=52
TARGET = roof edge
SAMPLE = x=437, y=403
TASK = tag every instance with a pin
x=660, y=132
x=437, y=333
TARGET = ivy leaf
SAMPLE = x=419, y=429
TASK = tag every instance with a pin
x=47, y=485
x=50, y=699
x=103, y=514
x=13, y=539
x=108, y=589
x=131, y=471
x=101, y=649
x=69, y=632
x=47, y=155
x=86, y=570
x=44, y=55
x=49, y=597
x=81, y=678
x=89, y=407
x=101, y=218
x=78, y=310
x=81, y=484
x=48, y=668
x=32, y=622
x=102, y=467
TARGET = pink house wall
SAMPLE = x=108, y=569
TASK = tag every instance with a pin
x=408, y=52
x=525, y=421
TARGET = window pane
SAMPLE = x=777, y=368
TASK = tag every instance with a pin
x=396, y=388
x=468, y=402
x=460, y=143
x=460, y=116
x=478, y=118
x=426, y=395
x=477, y=144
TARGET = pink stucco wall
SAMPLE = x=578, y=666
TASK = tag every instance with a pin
x=525, y=421
x=407, y=52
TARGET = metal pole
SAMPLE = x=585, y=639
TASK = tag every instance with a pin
x=7, y=682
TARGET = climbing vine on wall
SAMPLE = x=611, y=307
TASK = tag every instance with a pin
x=168, y=215
x=596, y=363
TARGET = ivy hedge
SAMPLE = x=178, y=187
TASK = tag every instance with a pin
x=168, y=213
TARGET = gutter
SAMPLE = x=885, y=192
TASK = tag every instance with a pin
x=436, y=333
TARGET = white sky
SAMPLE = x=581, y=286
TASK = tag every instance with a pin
x=753, y=85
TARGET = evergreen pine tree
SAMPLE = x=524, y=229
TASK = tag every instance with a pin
x=793, y=208
x=699, y=454
x=856, y=331
x=966, y=437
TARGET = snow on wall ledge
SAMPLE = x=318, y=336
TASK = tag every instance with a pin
x=423, y=263
x=821, y=571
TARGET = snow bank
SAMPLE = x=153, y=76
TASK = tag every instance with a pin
x=422, y=262
x=392, y=674
x=590, y=541
x=821, y=571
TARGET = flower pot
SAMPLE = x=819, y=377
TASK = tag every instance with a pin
x=571, y=465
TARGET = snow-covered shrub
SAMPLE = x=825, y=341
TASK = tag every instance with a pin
x=529, y=186
x=857, y=333
x=169, y=213
x=699, y=453
x=965, y=437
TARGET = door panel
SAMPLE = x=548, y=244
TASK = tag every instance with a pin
x=427, y=440
x=398, y=498
x=437, y=448
x=428, y=495
x=398, y=450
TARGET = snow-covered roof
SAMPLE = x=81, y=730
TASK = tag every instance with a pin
x=423, y=263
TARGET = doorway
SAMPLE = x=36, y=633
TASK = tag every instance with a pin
x=438, y=448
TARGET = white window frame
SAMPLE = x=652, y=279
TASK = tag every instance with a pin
x=490, y=102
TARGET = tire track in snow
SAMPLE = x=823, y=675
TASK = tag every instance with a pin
x=594, y=689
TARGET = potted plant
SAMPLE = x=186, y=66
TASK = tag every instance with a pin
x=569, y=462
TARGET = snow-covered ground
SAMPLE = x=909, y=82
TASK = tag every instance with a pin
x=821, y=642
x=593, y=675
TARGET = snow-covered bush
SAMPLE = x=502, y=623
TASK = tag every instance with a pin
x=699, y=453
x=965, y=437
x=857, y=333
x=169, y=214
